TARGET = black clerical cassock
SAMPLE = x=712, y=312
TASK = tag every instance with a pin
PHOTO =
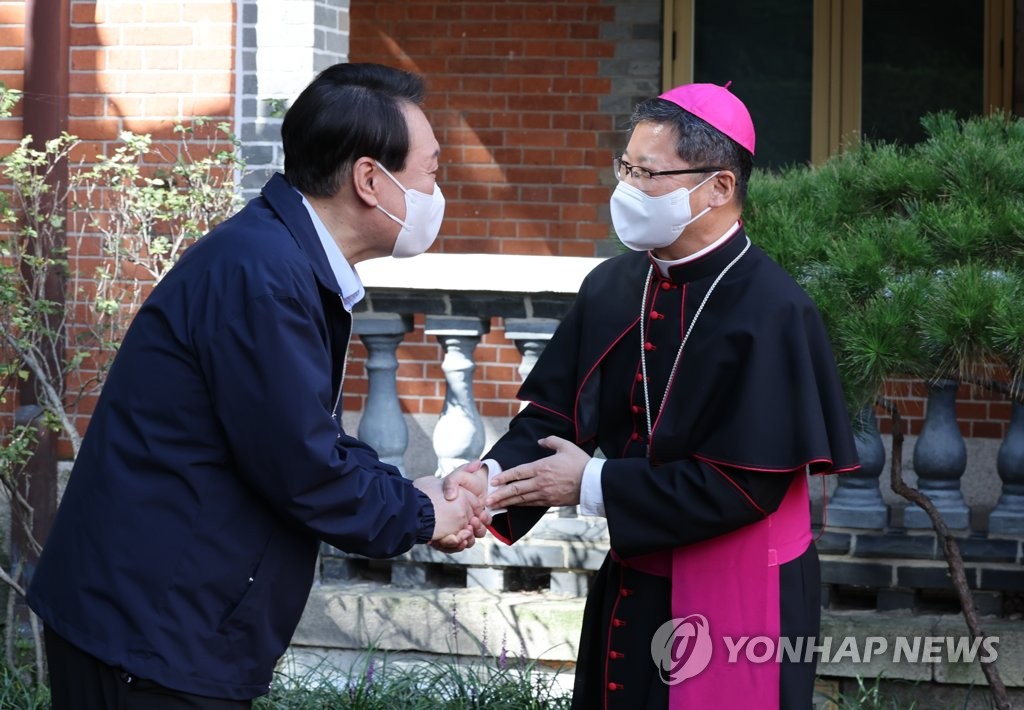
x=708, y=516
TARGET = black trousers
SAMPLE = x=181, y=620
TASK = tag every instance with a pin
x=79, y=681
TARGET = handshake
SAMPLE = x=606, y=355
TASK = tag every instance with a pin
x=460, y=516
x=465, y=498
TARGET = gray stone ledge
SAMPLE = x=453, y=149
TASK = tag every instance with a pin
x=461, y=622
x=497, y=273
x=545, y=626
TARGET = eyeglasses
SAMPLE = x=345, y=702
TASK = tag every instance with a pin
x=624, y=169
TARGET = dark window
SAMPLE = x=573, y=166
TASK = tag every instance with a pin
x=765, y=48
x=920, y=56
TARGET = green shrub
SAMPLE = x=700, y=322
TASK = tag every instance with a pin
x=914, y=255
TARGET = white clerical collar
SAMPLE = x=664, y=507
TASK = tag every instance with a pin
x=664, y=265
x=351, y=287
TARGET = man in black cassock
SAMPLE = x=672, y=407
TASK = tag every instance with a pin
x=703, y=375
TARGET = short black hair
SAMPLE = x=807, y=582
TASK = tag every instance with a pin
x=348, y=111
x=699, y=141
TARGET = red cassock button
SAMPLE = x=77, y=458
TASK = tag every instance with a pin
x=635, y=408
x=649, y=346
x=665, y=285
x=639, y=377
x=655, y=315
x=615, y=686
x=626, y=592
x=615, y=655
x=617, y=623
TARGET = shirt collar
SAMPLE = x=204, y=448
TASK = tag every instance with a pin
x=665, y=264
x=351, y=287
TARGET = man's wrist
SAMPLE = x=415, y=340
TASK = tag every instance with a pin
x=427, y=518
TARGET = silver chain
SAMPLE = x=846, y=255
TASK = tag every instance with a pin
x=679, y=353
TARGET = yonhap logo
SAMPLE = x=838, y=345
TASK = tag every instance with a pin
x=681, y=648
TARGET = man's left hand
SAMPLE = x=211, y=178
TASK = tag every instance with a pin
x=550, y=481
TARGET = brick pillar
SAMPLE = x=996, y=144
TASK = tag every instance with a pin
x=283, y=44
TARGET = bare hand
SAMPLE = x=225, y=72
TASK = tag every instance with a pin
x=473, y=478
x=451, y=517
x=550, y=481
x=465, y=538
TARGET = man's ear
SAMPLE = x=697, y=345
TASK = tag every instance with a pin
x=366, y=180
x=723, y=187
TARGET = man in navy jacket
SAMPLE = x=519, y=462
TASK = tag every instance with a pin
x=215, y=462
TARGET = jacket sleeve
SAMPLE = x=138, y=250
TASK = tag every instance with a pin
x=268, y=371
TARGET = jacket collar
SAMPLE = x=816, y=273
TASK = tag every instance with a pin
x=287, y=203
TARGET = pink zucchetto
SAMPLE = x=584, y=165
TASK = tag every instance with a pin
x=717, y=106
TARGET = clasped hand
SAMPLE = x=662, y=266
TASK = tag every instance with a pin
x=551, y=481
x=459, y=515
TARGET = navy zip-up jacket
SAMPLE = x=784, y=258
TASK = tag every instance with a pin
x=185, y=544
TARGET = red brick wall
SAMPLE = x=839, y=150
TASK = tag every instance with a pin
x=513, y=95
x=140, y=66
x=137, y=66
x=12, y=64
x=514, y=99
x=980, y=411
x=421, y=384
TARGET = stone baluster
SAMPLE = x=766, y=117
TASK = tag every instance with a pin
x=940, y=458
x=382, y=425
x=459, y=432
x=857, y=500
x=1007, y=517
x=530, y=336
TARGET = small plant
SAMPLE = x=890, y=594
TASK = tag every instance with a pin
x=868, y=695
x=64, y=311
x=378, y=683
x=17, y=694
x=913, y=254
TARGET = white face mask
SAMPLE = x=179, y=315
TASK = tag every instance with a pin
x=423, y=215
x=643, y=222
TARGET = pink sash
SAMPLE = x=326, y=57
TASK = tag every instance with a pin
x=733, y=581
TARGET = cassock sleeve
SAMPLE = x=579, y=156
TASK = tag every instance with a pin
x=683, y=502
x=648, y=508
x=519, y=446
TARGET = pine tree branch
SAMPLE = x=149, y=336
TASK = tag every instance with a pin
x=950, y=549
